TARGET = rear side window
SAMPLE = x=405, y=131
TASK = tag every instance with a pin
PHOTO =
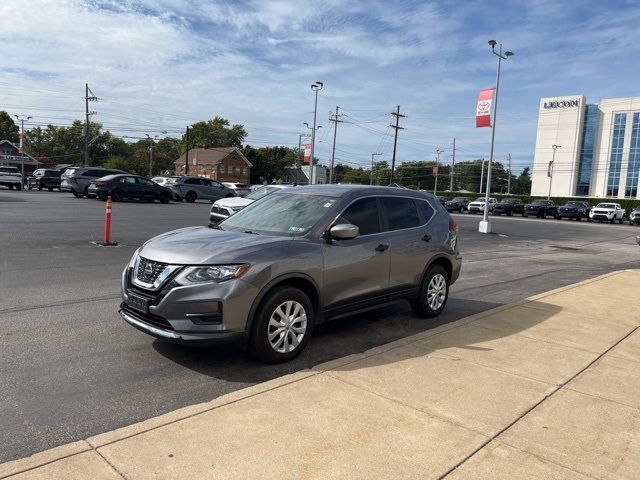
x=192, y=181
x=401, y=212
x=363, y=214
x=425, y=210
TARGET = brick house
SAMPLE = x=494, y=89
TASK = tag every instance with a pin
x=225, y=164
x=10, y=155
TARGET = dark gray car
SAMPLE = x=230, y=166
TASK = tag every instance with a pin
x=197, y=188
x=291, y=260
x=77, y=179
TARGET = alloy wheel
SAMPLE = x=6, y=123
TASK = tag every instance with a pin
x=287, y=326
x=436, y=292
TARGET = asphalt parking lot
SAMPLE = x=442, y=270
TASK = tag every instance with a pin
x=72, y=368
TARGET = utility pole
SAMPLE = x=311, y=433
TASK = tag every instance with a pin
x=396, y=127
x=335, y=119
x=453, y=164
x=435, y=185
x=300, y=156
x=152, y=141
x=371, y=173
x=509, y=177
x=22, y=145
x=87, y=98
x=316, y=87
x=481, y=175
x=186, y=155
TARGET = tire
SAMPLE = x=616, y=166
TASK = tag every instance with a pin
x=19, y=187
x=10, y=187
x=579, y=218
x=620, y=221
x=60, y=189
x=50, y=189
x=525, y=215
x=165, y=198
x=86, y=193
x=76, y=194
x=267, y=323
x=510, y=213
x=589, y=219
x=190, y=197
x=117, y=195
x=434, y=282
x=613, y=220
x=461, y=210
x=40, y=188
x=544, y=215
x=557, y=217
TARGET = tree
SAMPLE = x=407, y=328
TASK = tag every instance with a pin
x=8, y=129
x=522, y=184
x=269, y=163
x=468, y=175
x=214, y=133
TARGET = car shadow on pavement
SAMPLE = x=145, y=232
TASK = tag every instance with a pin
x=4, y=198
x=331, y=340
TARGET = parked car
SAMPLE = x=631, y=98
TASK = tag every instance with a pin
x=573, y=210
x=634, y=216
x=10, y=177
x=160, y=180
x=508, y=206
x=540, y=209
x=44, y=178
x=300, y=256
x=607, y=212
x=457, y=204
x=442, y=199
x=240, y=189
x=477, y=206
x=225, y=207
x=77, y=179
x=194, y=188
x=124, y=186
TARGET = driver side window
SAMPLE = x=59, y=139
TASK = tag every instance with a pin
x=364, y=214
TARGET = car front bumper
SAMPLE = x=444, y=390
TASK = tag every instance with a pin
x=204, y=313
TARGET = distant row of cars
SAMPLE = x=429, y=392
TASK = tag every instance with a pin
x=573, y=210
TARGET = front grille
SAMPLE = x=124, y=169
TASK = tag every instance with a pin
x=153, y=320
x=219, y=211
x=149, y=271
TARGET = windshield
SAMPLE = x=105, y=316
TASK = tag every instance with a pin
x=572, y=204
x=459, y=199
x=507, y=200
x=538, y=202
x=283, y=214
x=480, y=199
x=261, y=192
x=605, y=205
x=69, y=172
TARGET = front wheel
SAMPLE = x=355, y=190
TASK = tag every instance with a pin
x=283, y=325
x=165, y=198
x=117, y=195
x=50, y=189
x=433, y=293
x=613, y=220
x=190, y=197
x=77, y=194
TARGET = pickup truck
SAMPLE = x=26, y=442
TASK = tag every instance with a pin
x=477, y=206
x=10, y=177
x=607, y=212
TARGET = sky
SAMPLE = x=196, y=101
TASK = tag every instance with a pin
x=160, y=65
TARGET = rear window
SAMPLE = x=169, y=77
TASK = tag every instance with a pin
x=69, y=172
x=401, y=212
x=52, y=173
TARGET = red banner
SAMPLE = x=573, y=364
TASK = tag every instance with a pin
x=434, y=172
x=483, y=107
x=550, y=169
x=21, y=147
x=307, y=153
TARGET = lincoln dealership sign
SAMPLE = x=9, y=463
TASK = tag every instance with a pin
x=562, y=104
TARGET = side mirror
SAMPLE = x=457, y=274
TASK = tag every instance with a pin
x=344, y=231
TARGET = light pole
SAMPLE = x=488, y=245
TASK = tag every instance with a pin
x=316, y=87
x=553, y=160
x=485, y=226
x=371, y=173
x=313, y=137
x=22, y=144
x=152, y=141
x=435, y=185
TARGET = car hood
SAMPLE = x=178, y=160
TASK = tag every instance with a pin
x=233, y=202
x=206, y=246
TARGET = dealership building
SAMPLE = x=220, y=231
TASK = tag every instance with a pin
x=585, y=149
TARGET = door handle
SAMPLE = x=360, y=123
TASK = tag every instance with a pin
x=426, y=238
x=381, y=248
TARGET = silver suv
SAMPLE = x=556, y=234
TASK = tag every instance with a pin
x=289, y=261
x=197, y=188
x=77, y=179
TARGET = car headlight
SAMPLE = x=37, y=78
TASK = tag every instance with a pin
x=134, y=257
x=212, y=273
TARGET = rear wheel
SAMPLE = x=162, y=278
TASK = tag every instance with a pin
x=579, y=218
x=190, y=197
x=19, y=187
x=620, y=220
x=29, y=186
x=283, y=325
x=117, y=195
x=86, y=193
x=432, y=294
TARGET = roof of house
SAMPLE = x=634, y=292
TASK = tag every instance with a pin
x=29, y=160
x=211, y=156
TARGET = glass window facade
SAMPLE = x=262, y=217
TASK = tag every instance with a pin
x=631, y=188
x=615, y=162
x=586, y=150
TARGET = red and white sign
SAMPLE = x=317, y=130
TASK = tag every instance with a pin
x=550, y=169
x=307, y=153
x=21, y=147
x=194, y=161
x=434, y=173
x=483, y=107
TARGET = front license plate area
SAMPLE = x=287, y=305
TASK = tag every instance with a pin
x=138, y=303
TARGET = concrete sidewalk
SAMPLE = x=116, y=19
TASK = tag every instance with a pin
x=546, y=388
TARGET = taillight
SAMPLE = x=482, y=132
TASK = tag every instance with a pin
x=453, y=226
x=101, y=184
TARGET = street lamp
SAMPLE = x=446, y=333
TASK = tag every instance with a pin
x=371, y=173
x=485, y=226
x=22, y=143
x=435, y=185
x=553, y=159
x=312, y=147
x=316, y=87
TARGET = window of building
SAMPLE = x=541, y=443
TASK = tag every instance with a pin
x=586, y=150
x=631, y=188
x=363, y=214
x=617, y=143
x=223, y=169
x=244, y=171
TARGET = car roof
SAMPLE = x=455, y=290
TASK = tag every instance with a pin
x=336, y=190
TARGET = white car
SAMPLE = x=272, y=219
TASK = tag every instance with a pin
x=477, y=206
x=607, y=212
x=160, y=180
x=10, y=177
x=225, y=207
x=241, y=189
